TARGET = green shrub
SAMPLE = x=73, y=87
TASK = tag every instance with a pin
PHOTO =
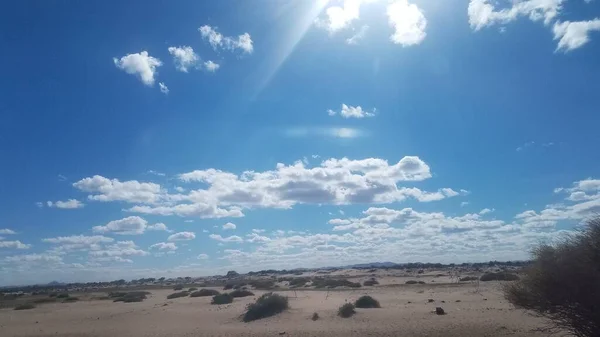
x=367, y=302
x=178, y=294
x=346, y=310
x=25, y=306
x=267, y=305
x=204, y=292
x=241, y=293
x=222, y=299
x=501, y=276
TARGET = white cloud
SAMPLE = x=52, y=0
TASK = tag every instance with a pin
x=482, y=13
x=340, y=17
x=486, y=211
x=182, y=236
x=79, y=239
x=203, y=257
x=158, y=227
x=229, y=225
x=140, y=64
x=111, y=259
x=69, y=204
x=255, y=230
x=525, y=146
x=254, y=237
x=359, y=35
x=45, y=258
x=133, y=225
x=572, y=35
x=184, y=58
x=233, y=238
x=408, y=21
x=217, y=40
x=464, y=203
x=164, y=246
x=156, y=173
x=39, y=204
x=114, y=190
x=6, y=231
x=14, y=244
x=352, y=112
x=211, y=66
x=163, y=88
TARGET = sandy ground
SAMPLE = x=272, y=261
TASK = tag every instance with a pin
x=479, y=313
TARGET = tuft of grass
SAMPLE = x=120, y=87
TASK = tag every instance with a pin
x=367, y=302
x=315, y=316
x=241, y=293
x=222, y=299
x=346, y=310
x=178, y=294
x=204, y=292
x=501, y=276
x=25, y=306
x=267, y=305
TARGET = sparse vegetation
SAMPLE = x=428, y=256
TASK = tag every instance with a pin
x=178, y=287
x=411, y=282
x=262, y=284
x=222, y=299
x=370, y=283
x=129, y=297
x=62, y=295
x=315, y=316
x=192, y=289
x=71, y=299
x=367, y=302
x=501, y=276
x=563, y=282
x=241, y=293
x=298, y=281
x=44, y=300
x=25, y=306
x=204, y=292
x=333, y=283
x=346, y=310
x=228, y=286
x=267, y=305
x=468, y=278
x=178, y=294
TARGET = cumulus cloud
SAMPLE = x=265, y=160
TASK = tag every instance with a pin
x=211, y=66
x=408, y=21
x=164, y=246
x=69, y=204
x=184, y=57
x=233, y=238
x=6, y=231
x=158, y=227
x=486, y=211
x=202, y=257
x=132, y=225
x=14, y=244
x=359, y=35
x=182, y=236
x=217, y=40
x=572, y=35
x=139, y=64
x=38, y=258
x=340, y=17
x=79, y=239
x=114, y=190
x=229, y=225
x=352, y=112
x=482, y=13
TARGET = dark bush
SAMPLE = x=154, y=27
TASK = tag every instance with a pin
x=45, y=300
x=298, y=281
x=411, y=282
x=70, y=299
x=178, y=294
x=241, y=293
x=52, y=294
x=178, y=287
x=367, y=302
x=468, y=278
x=421, y=282
x=222, y=299
x=192, y=289
x=62, y=295
x=228, y=286
x=267, y=305
x=333, y=283
x=563, y=282
x=346, y=310
x=25, y=306
x=130, y=297
x=315, y=316
x=262, y=284
x=204, y=292
x=370, y=283
x=501, y=276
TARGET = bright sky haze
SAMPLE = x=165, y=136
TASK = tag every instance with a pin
x=188, y=138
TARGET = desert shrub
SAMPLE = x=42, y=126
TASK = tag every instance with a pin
x=262, y=284
x=411, y=282
x=468, y=278
x=70, y=299
x=45, y=300
x=228, y=286
x=370, y=283
x=501, y=276
x=178, y=294
x=267, y=305
x=333, y=283
x=204, y=292
x=130, y=297
x=100, y=298
x=62, y=295
x=346, y=310
x=222, y=299
x=241, y=293
x=25, y=306
x=315, y=316
x=563, y=282
x=298, y=281
x=178, y=287
x=421, y=282
x=367, y=302
x=192, y=289
x=52, y=294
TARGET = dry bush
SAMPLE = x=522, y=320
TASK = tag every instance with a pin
x=370, y=283
x=62, y=295
x=45, y=300
x=315, y=316
x=346, y=310
x=228, y=286
x=267, y=305
x=130, y=297
x=367, y=302
x=241, y=293
x=204, y=292
x=178, y=294
x=411, y=282
x=25, y=306
x=262, y=284
x=178, y=287
x=334, y=283
x=563, y=283
x=192, y=289
x=70, y=299
x=468, y=278
x=501, y=276
x=222, y=299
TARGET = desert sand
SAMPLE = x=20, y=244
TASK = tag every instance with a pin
x=482, y=311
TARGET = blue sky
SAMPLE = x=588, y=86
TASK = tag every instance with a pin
x=151, y=138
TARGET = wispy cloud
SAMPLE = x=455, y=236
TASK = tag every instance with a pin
x=333, y=132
